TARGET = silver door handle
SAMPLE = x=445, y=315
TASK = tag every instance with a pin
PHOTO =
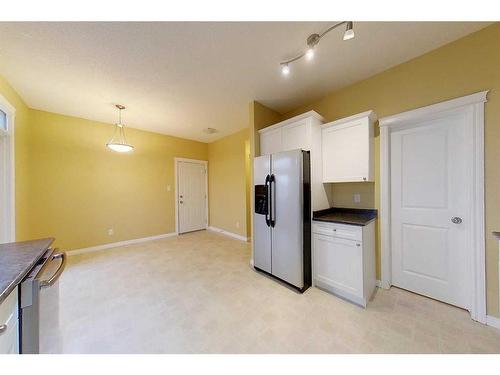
x=456, y=220
x=48, y=283
x=3, y=328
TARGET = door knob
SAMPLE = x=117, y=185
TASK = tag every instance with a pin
x=456, y=220
x=181, y=202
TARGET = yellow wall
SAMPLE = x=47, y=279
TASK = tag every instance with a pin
x=227, y=184
x=78, y=188
x=463, y=67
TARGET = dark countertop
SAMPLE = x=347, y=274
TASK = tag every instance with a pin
x=497, y=235
x=16, y=260
x=351, y=216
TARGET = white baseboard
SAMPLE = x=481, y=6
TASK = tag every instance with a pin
x=493, y=321
x=118, y=244
x=230, y=234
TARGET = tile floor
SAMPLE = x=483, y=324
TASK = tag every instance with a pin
x=196, y=293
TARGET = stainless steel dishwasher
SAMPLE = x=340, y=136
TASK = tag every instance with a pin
x=39, y=305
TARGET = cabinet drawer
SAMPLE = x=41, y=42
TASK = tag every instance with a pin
x=348, y=232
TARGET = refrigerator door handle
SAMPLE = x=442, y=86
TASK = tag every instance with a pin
x=272, y=215
x=268, y=194
x=49, y=282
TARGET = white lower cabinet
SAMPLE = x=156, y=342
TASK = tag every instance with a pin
x=9, y=325
x=344, y=260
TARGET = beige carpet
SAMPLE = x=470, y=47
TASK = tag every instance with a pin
x=196, y=293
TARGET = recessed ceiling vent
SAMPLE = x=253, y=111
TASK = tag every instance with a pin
x=210, y=130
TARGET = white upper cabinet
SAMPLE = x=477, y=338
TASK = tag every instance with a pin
x=270, y=142
x=347, y=149
x=300, y=132
x=292, y=134
x=296, y=135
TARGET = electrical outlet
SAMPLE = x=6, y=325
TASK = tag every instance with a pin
x=237, y=224
x=168, y=188
x=111, y=232
x=356, y=197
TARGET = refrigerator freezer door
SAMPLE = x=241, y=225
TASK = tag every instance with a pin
x=261, y=230
x=287, y=212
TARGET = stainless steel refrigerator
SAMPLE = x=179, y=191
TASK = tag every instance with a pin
x=282, y=217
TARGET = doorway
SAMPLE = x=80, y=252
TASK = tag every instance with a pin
x=191, y=195
x=432, y=202
x=7, y=210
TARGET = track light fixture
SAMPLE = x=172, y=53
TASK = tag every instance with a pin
x=313, y=40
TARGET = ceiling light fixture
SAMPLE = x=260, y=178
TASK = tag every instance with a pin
x=285, y=69
x=118, y=142
x=313, y=40
x=210, y=130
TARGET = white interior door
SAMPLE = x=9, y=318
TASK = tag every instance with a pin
x=431, y=198
x=7, y=210
x=191, y=196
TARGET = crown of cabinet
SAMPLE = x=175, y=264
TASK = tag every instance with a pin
x=347, y=149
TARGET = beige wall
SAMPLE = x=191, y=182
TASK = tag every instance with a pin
x=466, y=66
x=75, y=189
x=227, y=186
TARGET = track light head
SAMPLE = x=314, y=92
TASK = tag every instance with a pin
x=310, y=53
x=349, y=32
x=285, y=69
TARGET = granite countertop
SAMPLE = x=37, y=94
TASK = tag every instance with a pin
x=16, y=260
x=351, y=216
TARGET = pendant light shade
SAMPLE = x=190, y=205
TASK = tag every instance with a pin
x=118, y=143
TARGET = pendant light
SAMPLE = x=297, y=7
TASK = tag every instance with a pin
x=118, y=142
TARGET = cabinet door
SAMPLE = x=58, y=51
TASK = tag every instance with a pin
x=270, y=142
x=9, y=337
x=347, y=152
x=338, y=264
x=296, y=136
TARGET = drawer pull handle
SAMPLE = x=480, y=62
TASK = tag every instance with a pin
x=358, y=245
x=3, y=328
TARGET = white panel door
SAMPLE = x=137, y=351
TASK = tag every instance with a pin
x=191, y=196
x=431, y=189
x=270, y=142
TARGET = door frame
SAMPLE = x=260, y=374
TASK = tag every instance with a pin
x=476, y=258
x=9, y=216
x=176, y=163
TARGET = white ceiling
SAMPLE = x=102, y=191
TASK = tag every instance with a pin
x=179, y=78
